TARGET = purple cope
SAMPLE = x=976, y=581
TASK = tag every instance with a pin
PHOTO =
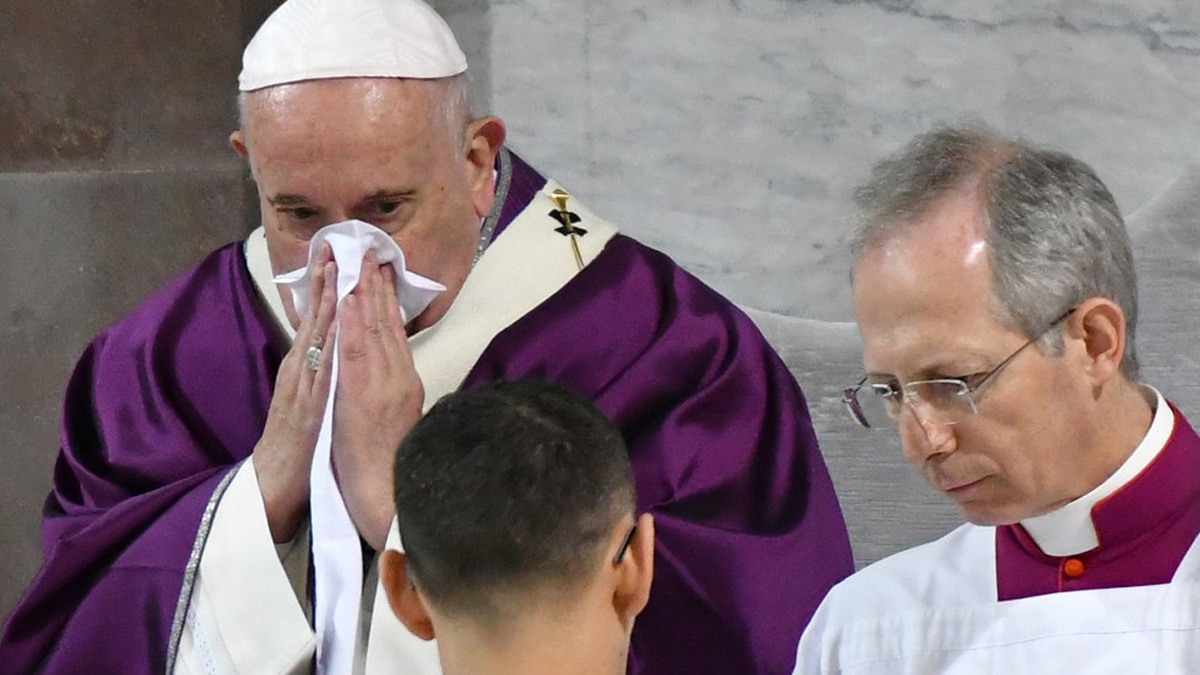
x=164, y=404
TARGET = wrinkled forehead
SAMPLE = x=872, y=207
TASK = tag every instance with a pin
x=937, y=251
x=341, y=141
x=926, y=287
x=316, y=106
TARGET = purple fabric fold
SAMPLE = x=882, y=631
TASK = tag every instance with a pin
x=750, y=536
x=160, y=408
x=164, y=404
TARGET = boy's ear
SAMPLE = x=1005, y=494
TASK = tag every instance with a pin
x=635, y=572
x=402, y=594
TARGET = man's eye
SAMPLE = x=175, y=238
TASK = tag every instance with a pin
x=387, y=208
x=299, y=213
x=970, y=380
x=885, y=389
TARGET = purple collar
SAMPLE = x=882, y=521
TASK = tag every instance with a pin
x=516, y=185
x=1144, y=528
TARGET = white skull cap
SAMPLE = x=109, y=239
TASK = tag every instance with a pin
x=324, y=39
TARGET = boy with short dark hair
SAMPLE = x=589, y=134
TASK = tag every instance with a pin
x=523, y=551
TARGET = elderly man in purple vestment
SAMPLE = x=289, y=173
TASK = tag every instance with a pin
x=207, y=482
x=994, y=291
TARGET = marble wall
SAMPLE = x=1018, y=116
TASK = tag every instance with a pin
x=730, y=133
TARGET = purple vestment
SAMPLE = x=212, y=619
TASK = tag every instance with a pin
x=164, y=404
x=1144, y=529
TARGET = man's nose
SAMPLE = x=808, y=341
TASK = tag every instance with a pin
x=338, y=215
x=924, y=434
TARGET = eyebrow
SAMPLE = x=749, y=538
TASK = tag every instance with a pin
x=958, y=365
x=287, y=200
x=936, y=369
x=390, y=195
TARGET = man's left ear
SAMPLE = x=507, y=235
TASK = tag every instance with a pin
x=403, y=596
x=484, y=137
x=1100, y=325
x=635, y=572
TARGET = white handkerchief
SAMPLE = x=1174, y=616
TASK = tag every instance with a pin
x=350, y=241
x=337, y=556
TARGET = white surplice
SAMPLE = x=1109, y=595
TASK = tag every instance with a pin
x=934, y=609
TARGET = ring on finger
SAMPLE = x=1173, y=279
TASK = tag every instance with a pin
x=313, y=358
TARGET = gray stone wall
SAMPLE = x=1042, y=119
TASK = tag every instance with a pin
x=730, y=133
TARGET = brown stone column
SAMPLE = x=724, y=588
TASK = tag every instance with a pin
x=115, y=176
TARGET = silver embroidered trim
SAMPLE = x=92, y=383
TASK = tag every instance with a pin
x=503, y=182
x=189, y=574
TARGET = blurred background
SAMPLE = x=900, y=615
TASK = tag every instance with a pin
x=727, y=133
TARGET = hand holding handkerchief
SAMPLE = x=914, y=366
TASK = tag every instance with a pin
x=337, y=557
x=350, y=241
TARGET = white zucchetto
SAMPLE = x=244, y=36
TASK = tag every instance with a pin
x=323, y=39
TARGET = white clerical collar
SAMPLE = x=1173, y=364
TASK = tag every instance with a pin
x=1069, y=530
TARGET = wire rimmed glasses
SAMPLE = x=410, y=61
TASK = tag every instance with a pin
x=943, y=400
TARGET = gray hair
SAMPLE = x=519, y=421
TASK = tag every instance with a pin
x=456, y=106
x=451, y=95
x=1055, y=235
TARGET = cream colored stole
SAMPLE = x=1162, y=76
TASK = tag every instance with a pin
x=529, y=262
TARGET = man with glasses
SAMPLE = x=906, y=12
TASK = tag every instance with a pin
x=523, y=550
x=995, y=295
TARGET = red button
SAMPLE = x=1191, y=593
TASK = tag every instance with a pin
x=1073, y=568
